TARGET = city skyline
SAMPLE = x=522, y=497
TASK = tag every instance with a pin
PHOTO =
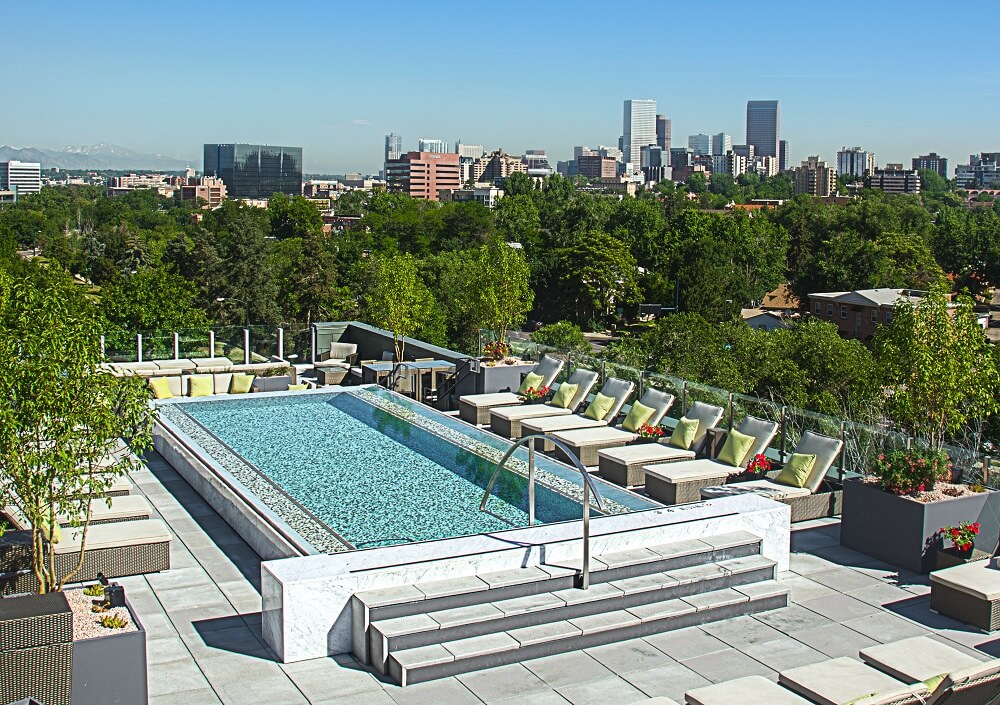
x=344, y=87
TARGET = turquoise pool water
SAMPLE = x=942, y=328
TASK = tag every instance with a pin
x=379, y=469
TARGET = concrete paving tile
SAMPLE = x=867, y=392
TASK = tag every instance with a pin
x=186, y=578
x=547, y=697
x=802, y=588
x=670, y=680
x=742, y=631
x=834, y=640
x=446, y=690
x=627, y=656
x=374, y=697
x=842, y=555
x=883, y=595
x=261, y=691
x=726, y=665
x=180, y=598
x=503, y=683
x=781, y=654
x=176, y=676
x=224, y=668
x=202, y=696
x=813, y=539
x=885, y=627
x=601, y=692
x=792, y=619
x=567, y=669
x=806, y=563
x=686, y=643
x=165, y=650
x=843, y=579
x=839, y=607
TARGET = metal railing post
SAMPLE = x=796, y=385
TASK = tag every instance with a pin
x=843, y=452
x=281, y=343
x=642, y=383
x=138, y=347
x=986, y=471
x=604, y=373
x=177, y=346
x=531, y=483
x=585, y=576
x=246, y=346
x=730, y=405
x=313, y=340
x=103, y=352
x=784, y=438
x=684, y=396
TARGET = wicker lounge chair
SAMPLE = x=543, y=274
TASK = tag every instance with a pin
x=843, y=680
x=116, y=550
x=506, y=421
x=586, y=443
x=969, y=593
x=917, y=659
x=210, y=365
x=623, y=465
x=618, y=389
x=806, y=502
x=126, y=508
x=680, y=482
x=475, y=408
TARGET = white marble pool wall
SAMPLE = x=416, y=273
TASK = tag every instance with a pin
x=306, y=601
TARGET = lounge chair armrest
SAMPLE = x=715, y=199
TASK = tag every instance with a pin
x=352, y=359
x=714, y=440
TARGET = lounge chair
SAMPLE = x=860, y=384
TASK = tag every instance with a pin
x=125, y=508
x=623, y=465
x=619, y=390
x=680, y=482
x=843, y=680
x=587, y=442
x=749, y=690
x=211, y=365
x=117, y=550
x=475, y=408
x=805, y=501
x=969, y=593
x=506, y=421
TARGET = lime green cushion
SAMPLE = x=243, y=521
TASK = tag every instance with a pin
x=297, y=387
x=564, y=397
x=735, y=449
x=860, y=698
x=934, y=681
x=161, y=388
x=637, y=417
x=599, y=407
x=684, y=433
x=201, y=386
x=530, y=380
x=797, y=469
x=241, y=383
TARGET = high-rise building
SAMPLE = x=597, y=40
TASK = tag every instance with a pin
x=536, y=163
x=255, y=170
x=423, y=174
x=700, y=144
x=639, y=129
x=764, y=127
x=594, y=166
x=210, y=189
x=437, y=146
x=729, y=163
x=855, y=162
x=783, y=158
x=20, y=177
x=982, y=171
x=721, y=143
x=895, y=179
x=933, y=162
x=745, y=150
x=393, y=146
x=815, y=177
x=655, y=163
x=663, y=133
x=496, y=166
x=467, y=156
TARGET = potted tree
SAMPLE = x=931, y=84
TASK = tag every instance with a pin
x=61, y=420
x=941, y=379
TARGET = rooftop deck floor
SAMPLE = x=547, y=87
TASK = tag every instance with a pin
x=205, y=647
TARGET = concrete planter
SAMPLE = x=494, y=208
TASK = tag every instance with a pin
x=501, y=377
x=111, y=670
x=902, y=531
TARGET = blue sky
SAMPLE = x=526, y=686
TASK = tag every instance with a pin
x=898, y=78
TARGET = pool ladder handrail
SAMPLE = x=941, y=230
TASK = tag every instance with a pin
x=588, y=488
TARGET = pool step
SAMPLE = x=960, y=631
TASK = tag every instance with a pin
x=439, y=660
x=402, y=633
x=430, y=630
x=422, y=598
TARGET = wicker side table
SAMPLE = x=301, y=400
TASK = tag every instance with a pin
x=36, y=648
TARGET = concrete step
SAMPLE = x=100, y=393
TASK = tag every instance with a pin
x=439, y=660
x=409, y=632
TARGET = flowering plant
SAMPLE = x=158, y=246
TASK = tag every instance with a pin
x=535, y=393
x=759, y=465
x=961, y=536
x=496, y=350
x=647, y=431
x=911, y=471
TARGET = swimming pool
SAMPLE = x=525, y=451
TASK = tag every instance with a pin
x=365, y=467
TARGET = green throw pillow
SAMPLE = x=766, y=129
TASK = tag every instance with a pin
x=161, y=388
x=201, y=386
x=934, y=681
x=638, y=416
x=797, y=469
x=241, y=383
x=564, y=397
x=297, y=387
x=684, y=433
x=530, y=380
x=734, y=450
x=600, y=407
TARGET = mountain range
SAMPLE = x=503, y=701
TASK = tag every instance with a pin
x=98, y=156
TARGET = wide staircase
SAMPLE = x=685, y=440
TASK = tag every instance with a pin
x=415, y=633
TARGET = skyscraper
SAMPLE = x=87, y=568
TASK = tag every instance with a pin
x=20, y=177
x=436, y=146
x=255, y=170
x=700, y=143
x=764, y=127
x=639, y=129
x=721, y=143
x=663, y=133
x=855, y=162
x=393, y=146
x=933, y=162
x=783, y=158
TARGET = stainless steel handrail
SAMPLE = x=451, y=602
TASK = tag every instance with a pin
x=588, y=487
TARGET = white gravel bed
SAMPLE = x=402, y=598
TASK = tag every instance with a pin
x=86, y=623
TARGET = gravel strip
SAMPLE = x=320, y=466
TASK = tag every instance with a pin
x=86, y=624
